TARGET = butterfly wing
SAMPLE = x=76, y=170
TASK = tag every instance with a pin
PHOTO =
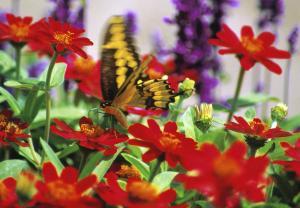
x=118, y=59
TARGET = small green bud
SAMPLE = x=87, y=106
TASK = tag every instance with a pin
x=279, y=112
x=187, y=87
x=204, y=116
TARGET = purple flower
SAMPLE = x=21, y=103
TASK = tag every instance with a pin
x=131, y=21
x=271, y=12
x=192, y=50
x=293, y=39
x=36, y=69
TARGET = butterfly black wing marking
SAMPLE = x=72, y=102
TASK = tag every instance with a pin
x=119, y=58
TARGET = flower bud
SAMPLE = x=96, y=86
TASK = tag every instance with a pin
x=187, y=87
x=279, y=112
x=204, y=116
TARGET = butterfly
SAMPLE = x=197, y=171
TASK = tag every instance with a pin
x=123, y=82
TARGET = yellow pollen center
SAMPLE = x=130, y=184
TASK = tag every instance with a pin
x=252, y=45
x=258, y=126
x=142, y=191
x=64, y=38
x=153, y=74
x=84, y=65
x=20, y=30
x=59, y=190
x=91, y=130
x=13, y=128
x=3, y=191
x=225, y=167
x=3, y=121
x=169, y=141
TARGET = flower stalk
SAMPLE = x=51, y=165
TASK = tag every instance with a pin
x=155, y=169
x=47, y=97
x=236, y=94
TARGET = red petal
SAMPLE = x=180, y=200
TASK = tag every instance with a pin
x=271, y=66
x=140, y=131
x=246, y=62
x=247, y=31
x=167, y=196
x=237, y=150
x=49, y=172
x=69, y=175
x=272, y=52
x=170, y=127
x=267, y=38
x=86, y=183
x=150, y=155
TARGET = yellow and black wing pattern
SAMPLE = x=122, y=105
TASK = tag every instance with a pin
x=118, y=58
x=123, y=81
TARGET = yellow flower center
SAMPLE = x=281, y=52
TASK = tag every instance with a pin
x=169, y=141
x=252, y=45
x=258, y=126
x=13, y=128
x=59, y=190
x=64, y=38
x=91, y=130
x=142, y=191
x=3, y=191
x=128, y=172
x=3, y=121
x=84, y=65
x=20, y=30
x=225, y=167
x=25, y=183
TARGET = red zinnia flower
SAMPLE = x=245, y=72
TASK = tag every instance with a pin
x=138, y=194
x=12, y=129
x=250, y=49
x=62, y=36
x=255, y=128
x=168, y=144
x=144, y=112
x=292, y=152
x=64, y=190
x=90, y=136
x=17, y=29
x=8, y=196
x=225, y=177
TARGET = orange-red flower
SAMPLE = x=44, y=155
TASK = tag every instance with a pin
x=17, y=29
x=167, y=144
x=250, y=49
x=225, y=177
x=8, y=196
x=61, y=36
x=64, y=190
x=294, y=153
x=255, y=128
x=90, y=136
x=138, y=194
x=12, y=129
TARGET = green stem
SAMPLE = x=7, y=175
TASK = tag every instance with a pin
x=252, y=151
x=236, y=94
x=18, y=61
x=83, y=159
x=47, y=97
x=32, y=151
x=155, y=169
x=6, y=153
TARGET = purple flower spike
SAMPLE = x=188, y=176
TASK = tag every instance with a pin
x=293, y=40
x=271, y=12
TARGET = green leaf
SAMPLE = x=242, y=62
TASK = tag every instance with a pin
x=164, y=179
x=269, y=205
x=92, y=161
x=12, y=102
x=12, y=168
x=68, y=150
x=203, y=204
x=26, y=153
x=186, y=122
x=6, y=62
x=105, y=164
x=250, y=113
x=140, y=165
x=58, y=75
x=63, y=113
x=291, y=123
x=32, y=106
x=18, y=85
x=51, y=155
x=253, y=99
